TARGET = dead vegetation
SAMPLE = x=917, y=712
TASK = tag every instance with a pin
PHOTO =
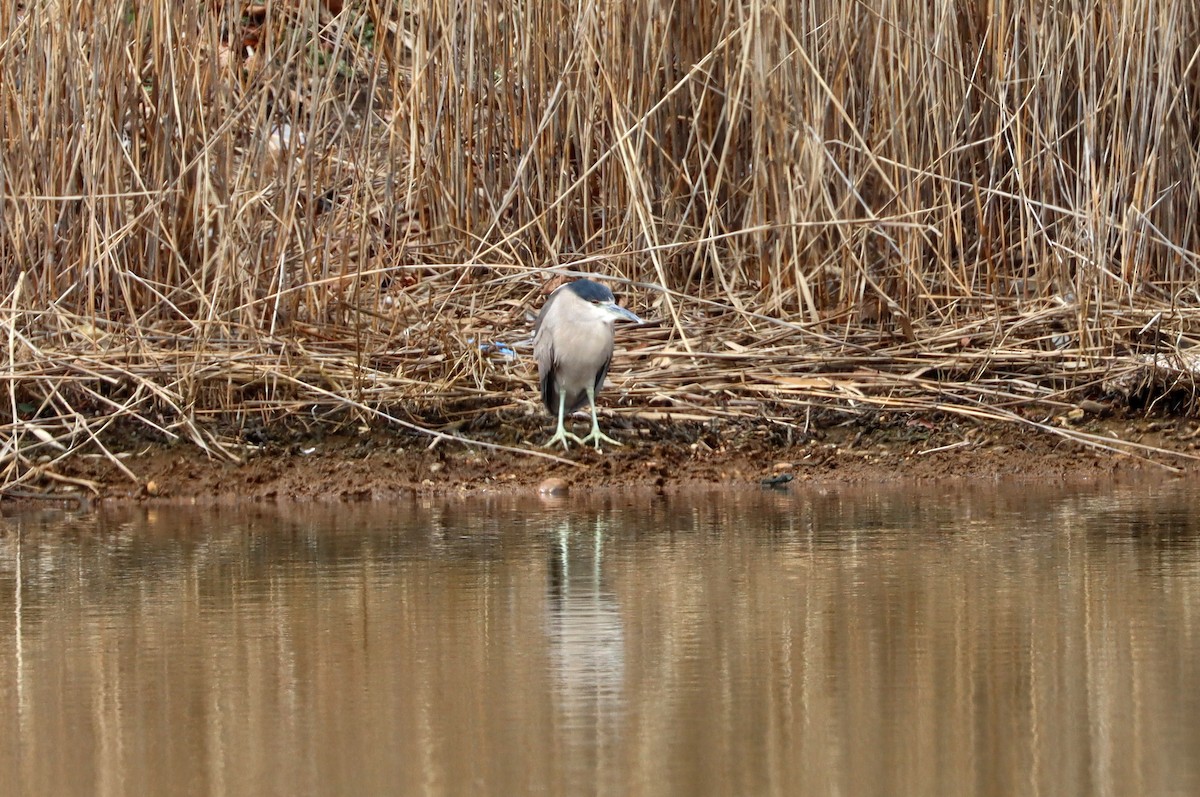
x=219, y=213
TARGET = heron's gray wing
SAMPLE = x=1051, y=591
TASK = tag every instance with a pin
x=603, y=372
x=543, y=353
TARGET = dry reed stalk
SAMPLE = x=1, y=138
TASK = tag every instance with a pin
x=226, y=210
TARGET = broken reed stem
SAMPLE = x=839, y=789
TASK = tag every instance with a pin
x=213, y=211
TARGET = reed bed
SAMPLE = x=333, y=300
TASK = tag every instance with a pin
x=218, y=213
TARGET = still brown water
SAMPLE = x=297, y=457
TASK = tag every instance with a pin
x=950, y=641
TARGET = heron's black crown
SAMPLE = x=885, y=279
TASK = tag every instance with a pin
x=590, y=291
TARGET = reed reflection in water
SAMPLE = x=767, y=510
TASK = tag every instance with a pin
x=945, y=642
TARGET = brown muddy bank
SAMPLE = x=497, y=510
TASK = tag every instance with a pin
x=378, y=464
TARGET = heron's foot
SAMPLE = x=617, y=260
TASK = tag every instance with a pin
x=599, y=437
x=562, y=436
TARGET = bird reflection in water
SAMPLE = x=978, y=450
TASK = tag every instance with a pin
x=587, y=649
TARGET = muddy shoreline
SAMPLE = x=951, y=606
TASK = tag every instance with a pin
x=365, y=463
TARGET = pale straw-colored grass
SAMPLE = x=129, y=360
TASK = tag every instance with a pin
x=218, y=212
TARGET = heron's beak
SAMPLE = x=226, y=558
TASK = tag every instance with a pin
x=618, y=312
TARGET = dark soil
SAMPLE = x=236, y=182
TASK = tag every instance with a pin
x=363, y=463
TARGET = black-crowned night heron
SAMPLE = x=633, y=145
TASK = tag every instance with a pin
x=573, y=345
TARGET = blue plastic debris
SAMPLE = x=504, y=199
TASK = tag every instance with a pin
x=503, y=349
